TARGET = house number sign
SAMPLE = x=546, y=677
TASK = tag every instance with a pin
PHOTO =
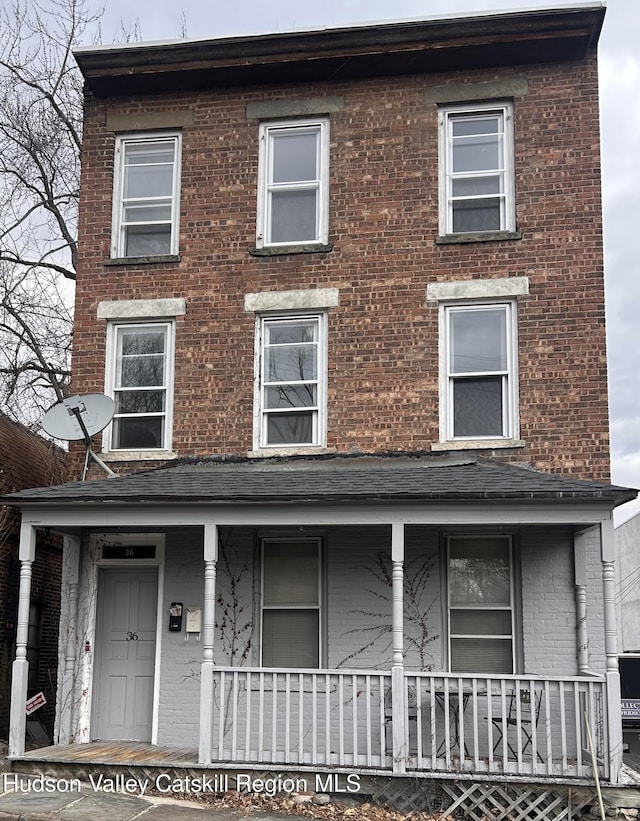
x=121, y=551
x=132, y=636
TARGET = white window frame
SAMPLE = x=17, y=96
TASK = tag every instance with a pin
x=284, y=606
x=511, y=607
x=319, y=423
x=118, y=230
x=268, y=133
x=510, y=397
x=113, y=336
x=447, y=114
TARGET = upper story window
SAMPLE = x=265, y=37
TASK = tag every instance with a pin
x=480, y=394
x=476, y=169
x=140, y=379
x=146, y=195
x=292, y=381
x=293, y=183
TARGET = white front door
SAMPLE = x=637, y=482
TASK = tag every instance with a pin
x=125, y=654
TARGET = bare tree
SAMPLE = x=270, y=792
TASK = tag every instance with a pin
x=40, y=143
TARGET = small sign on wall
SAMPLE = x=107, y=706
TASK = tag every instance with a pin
x=631, y=708
x=35, y=702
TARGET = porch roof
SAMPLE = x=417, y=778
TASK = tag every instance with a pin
x=352, y=479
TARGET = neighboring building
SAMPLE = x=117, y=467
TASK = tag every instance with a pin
x=346, y=289
x=627, y=537
x=28, y=460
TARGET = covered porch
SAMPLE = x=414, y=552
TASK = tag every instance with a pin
x=396, y=705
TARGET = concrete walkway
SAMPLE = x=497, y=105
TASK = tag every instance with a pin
x=22, y=800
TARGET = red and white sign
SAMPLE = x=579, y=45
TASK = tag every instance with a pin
x=35, y=702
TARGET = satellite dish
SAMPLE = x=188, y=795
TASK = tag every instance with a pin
x=81, y=417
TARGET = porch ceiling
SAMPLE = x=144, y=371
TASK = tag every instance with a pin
x=338, y=479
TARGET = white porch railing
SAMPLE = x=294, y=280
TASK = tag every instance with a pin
x=309, y=717
x=509, y=724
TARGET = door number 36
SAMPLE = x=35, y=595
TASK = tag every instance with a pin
x=132, y=636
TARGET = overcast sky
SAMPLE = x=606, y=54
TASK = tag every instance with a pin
x=620, y=117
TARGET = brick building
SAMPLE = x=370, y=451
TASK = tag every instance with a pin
x=346, y=290
x=27, y=460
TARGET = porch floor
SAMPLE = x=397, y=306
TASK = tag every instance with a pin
x=136, y=753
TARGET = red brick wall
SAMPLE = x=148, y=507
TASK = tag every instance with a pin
x=27, y=460
x=383, y=221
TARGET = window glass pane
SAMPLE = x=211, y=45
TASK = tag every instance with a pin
x=138, y=433
x=290, y=429
x=291, y=396
x=290, y=573
x=137, y=341
x=147, y=241
x=475, y=186
x=148, y=181
x=482, y=153
x=148, y=214
x=481, y=656
x=481, y=622
x=141, y=371
x=469, y=126
x=294, y=157
x=293, y=216
x=477, y=215
x=290, y=638
x=479, y=572
x=477, y=407
x=140, y=401
x=286, y=333
x=146, y=153
x=291, y=363
x=478, y=341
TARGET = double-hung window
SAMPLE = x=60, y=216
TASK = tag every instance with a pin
x=139, y=378
x=146, y=195
x=294, y=183
x=291, y=603
x=476, y=169
x=480, y=605
x=292, y=381
x=479, y=364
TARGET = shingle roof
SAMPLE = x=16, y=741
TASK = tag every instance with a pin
x=338, y=479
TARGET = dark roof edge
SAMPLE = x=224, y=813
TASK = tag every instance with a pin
x=95, y=60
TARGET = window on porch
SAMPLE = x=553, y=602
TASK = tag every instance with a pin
x=480, y=605
x=291, y=603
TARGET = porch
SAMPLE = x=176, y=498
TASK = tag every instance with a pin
x=395, y=575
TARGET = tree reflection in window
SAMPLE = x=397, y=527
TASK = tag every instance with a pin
x=140, y=389
x=290, y=381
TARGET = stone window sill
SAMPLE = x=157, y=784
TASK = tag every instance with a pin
x=478, y=444
x=157, y=260
x=304, y=450
x=280, y=250
x=138, y=455
x=479, y=236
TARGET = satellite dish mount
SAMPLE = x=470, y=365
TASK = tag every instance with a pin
x=80, y=418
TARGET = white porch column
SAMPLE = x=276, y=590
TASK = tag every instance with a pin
x=68, y=638
x=607, y=546
x=20, y=670
x=208, y=627
x=399, y=735
x=582, y=636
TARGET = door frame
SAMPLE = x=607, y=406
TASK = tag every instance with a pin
x=98, y=541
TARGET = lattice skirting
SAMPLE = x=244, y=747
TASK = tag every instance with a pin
x=513, y=802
